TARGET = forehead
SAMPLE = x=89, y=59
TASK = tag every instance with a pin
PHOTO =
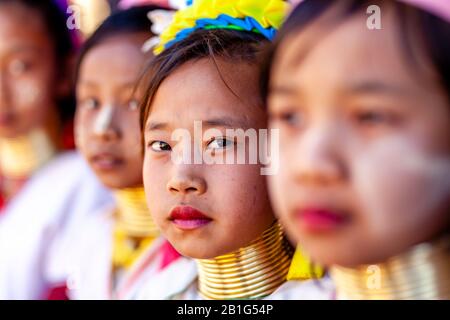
x=19, y=24
x=348, y=52
x=117, y=59
x=197, y=90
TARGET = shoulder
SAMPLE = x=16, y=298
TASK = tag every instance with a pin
x=171, y=281
x=64, y=185
x=83, y=259
x=66, y=171
x=93, y=231
x=69, y=163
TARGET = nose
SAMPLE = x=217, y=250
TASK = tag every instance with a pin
x=320, y=160
x=186, y=179
x=105, y=126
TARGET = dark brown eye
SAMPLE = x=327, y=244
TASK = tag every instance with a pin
x=159, y=146
x=133, y=105
x=372, y=117
x=18, y=67
x=91, y=104
x=292, y=119
x=220, y=143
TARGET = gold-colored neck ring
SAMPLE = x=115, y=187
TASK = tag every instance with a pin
x=20, y=157
x=252, y=272
x=421, y=273
x=133, y=216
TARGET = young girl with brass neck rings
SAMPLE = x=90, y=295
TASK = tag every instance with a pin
x=207, y=70
x=364, y=122
x=43, y=184
x=120, y=248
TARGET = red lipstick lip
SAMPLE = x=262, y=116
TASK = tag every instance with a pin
x=188, y=218
x=320, y=219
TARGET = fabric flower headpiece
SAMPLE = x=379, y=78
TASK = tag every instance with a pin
x=264, y=17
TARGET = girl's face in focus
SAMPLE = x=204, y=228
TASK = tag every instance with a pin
x=107, y=117
x=364, y=143
x=29, y=84
x=205, y=210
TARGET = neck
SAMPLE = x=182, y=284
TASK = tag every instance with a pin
x=22, y=156
x=252, y=272
x=420, y=273
x=133, y=216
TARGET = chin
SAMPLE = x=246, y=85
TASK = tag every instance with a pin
x=195, y=251
x=348, y=257
x=292, y=232
x=113, y=183
x=324, y=254
x=109, y=185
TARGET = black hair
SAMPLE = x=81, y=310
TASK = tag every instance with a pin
x=130, y=21
x=231, y=45
x=55, y=20
x=415, y=25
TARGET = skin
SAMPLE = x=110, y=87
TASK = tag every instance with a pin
x=366, y=138
x=29, y=81
x=233, y=196
x=107, y=116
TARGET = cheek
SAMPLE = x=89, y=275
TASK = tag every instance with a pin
x=281, y=186
x=133, y=141
x=240, y=192
x=279, y=192
x=82, y=125
x=283, y=198
x=33, y=94
x=401, y=186
x=154, y=184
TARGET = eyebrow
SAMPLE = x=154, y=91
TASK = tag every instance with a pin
x=225, y=122
x=87, y=83
x=128, y=85
x=363, y=87
x=155, y=126
x=374, y=86
x=90, y=83
x=216, y=122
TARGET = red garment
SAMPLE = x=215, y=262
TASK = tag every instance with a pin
x=169, y=255
x=57, y=293
x=2, y=199
x=2, y=203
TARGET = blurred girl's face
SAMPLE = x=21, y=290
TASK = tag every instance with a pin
x=364, y=143
x=28, y=85
x=205, y=210
x=107, y=117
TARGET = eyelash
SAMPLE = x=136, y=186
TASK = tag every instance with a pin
x=289, y=118
x=85, y=103
x=232, y=142
x=150, y=145
x=23, y=66
x=132, y=105
x=373, y=118
x=166, y=145
x=363, y=117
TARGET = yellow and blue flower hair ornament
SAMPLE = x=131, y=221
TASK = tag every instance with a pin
x=263, y=17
